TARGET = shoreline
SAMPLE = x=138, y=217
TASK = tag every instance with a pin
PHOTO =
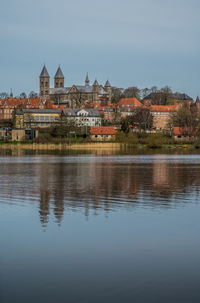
x=92, y=146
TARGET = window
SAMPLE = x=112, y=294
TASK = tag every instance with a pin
x=46, y=84
x=46, y=91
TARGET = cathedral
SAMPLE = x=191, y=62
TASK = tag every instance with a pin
x=76, y=95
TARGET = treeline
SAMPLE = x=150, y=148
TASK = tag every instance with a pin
x=163, y=96
x=23, y=95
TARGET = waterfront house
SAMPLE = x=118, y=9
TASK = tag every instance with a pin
x=184, y=133
x=103, y=133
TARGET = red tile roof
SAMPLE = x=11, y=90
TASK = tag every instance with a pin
x=183, y=130
x=129, y=102
x=102, y=130
x=26, y=102
x=164, y=108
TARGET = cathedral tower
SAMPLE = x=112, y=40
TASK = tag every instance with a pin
x=44, y=84
x=107, y=88
x=95, y=90
x=59, y=78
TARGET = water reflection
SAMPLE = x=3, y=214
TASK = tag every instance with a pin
x=92, y=184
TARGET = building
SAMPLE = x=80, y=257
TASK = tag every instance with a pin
x=83, y=117
x=161, y=115
x=7, y=106
x=184, y=133
x=103, y=133
x=126, y=106
x=108, y=113
x=35, y=118
x=74, y=96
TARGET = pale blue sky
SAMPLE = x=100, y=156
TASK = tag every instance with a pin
x=132, y=42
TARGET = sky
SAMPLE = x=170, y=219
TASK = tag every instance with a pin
x=140, y=43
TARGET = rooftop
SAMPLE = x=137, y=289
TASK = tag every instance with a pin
x=129, y=102
x=44, y=73
x=59, y=74
x=164, y=108
x=103, y=130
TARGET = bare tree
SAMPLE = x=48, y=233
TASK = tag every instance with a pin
x=116, y=94
x=132, y=92
x=32, y=94
x=142, y=119
x=22, y=95
x=3, y=95
x=186, y=118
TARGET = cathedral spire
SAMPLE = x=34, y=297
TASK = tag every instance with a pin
x=59, y=73
x=44, y=73
x=87, y=81
x=95, y=83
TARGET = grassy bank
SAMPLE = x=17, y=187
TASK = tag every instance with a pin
x=122, y=142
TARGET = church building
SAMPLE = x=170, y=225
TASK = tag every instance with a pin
x=76, y=95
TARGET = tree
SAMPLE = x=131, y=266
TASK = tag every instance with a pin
x=64, y=128
x=32, y=94
x=142, y=119
x=144, y=92
x=22, y=95
x=187, y=118
x=116, y=94
x=162, y=96
x=125, y=125
x=132, y=92
x=3, y=95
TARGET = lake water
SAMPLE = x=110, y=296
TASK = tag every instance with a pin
x=99, y=228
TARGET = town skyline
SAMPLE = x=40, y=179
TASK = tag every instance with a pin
x=92, y=78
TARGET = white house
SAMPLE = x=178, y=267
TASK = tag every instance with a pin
x=83, y=117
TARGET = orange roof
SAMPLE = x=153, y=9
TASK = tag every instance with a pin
x=23, y=103
x=102, y=130
x=129, y=102
x=182, y=130
x=164, y=108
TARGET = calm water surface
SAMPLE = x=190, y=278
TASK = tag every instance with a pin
x=92, y=228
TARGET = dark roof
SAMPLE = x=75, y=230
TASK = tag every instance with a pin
x=59, y=91
x=95, y=83
x=81, y=88
x=38, y=110
x=181, y=97
x=92, y=112
x=44, y=73
x=107, y=84
x=148, y=96
x=59, y=74
x=174, y=96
